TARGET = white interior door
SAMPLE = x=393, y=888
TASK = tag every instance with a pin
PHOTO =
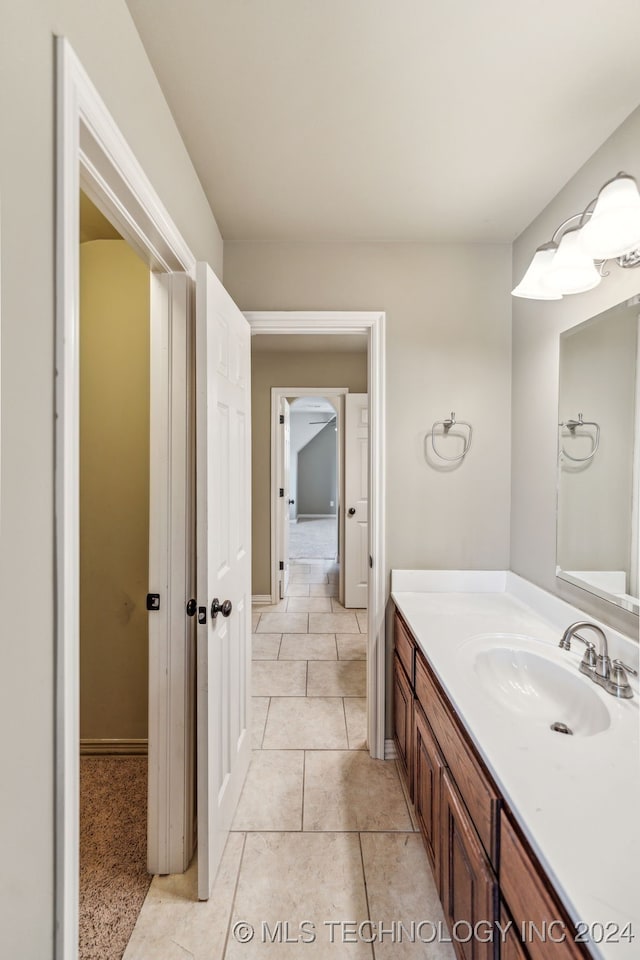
x=356, y=502
x=284, y=495
x=223, y=468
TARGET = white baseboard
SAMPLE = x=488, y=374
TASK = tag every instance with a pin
x=390, y=750
x=261, y=598
x=113, y=748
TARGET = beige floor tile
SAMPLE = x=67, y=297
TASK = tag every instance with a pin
x=310, y=605
x=363, y=620
x=259, y=710
x=323, y=589
x=400, y=885
x=279, y=678
x=332, y=623
x=285, y=623
x=355, y=711
x=309, y=578
x=351, y=646
x=265, y=646
x=337, y=607
x=272, y=795
x=347, y=790
x=278, y=607
x=319, y=879
x=298, y=590
x=301, y=723
x=174, y=924
x=340, y=678
x=308, y=646
x=296, y=566
x=255, y=620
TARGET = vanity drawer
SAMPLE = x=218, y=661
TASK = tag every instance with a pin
x=531, y=902
x=405, y=647
x=480, y=796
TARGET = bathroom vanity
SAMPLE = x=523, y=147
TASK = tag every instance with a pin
x=531, y=832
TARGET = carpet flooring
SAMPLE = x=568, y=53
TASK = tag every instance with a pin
x=313, y=539
x=113, y=853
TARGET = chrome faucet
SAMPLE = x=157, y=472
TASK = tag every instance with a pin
x=610, y=675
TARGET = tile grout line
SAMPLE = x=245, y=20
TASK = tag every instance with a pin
x=233, y=899
x=366, y=890
x=304, y=774
x=346, y=725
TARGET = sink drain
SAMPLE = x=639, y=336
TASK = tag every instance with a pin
x=560, y=727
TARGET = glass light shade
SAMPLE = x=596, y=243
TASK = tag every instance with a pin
x=572, y=269
x=614, y=226
x=531, y=286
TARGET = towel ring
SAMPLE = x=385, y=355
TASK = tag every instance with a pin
x=446, y=427
x=571, y=426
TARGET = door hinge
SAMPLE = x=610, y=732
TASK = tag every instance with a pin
x=282, y=564
x=153, y=601
x=282, y=418
x=282, y=491
x=370, y=562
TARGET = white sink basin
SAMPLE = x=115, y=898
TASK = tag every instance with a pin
x=538, y=688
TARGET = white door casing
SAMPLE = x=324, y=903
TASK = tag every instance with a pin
x=223, y=469
x=356, y=483
x=283, y=501
x=93, y=154
x=372, y=325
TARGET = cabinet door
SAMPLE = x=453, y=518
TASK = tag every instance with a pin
x=511, y=947
x=428, y=767
x=403, y=720
x=469, y=890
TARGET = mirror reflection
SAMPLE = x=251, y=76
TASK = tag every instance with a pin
x=599, y=456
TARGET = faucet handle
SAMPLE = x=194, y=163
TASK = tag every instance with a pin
x=618, y=683
x=590, y=658
x=618, y=664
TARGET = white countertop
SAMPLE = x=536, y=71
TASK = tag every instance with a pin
x=576, y=798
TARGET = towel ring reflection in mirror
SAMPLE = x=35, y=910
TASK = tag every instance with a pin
x=571, y=426
x=446, y=427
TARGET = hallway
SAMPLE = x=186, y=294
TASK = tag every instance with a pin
x=323, y=838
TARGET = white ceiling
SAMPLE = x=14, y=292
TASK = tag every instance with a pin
x=312, y=405
x=408, y=120
x=308, y=343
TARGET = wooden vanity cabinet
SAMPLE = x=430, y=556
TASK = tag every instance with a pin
x=403, y=721
x=537, y=914
x=511, y=947
x=469, y=838
x=428, y=767
x=468, y=886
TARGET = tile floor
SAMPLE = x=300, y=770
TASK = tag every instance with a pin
x=323, y=855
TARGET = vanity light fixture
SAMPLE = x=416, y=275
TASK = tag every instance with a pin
x=573, y=261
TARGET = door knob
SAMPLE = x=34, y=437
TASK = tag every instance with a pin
x=352, y=511
x=291, y=502
x=192, y=606
x=223, y=608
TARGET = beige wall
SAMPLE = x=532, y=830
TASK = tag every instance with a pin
x=286, y=370
x=536, y=329
x=114, y=491
x=108, y=45
x=448, y=348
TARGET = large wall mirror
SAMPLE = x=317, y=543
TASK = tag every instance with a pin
x=599, y=456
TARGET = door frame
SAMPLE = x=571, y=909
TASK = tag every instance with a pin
x=277, y=393
x=372, y=324
x=92, y=154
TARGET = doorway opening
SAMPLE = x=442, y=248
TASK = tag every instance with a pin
x=313, y=492
x=92, y=155
x=305, y=586
x=114, y=574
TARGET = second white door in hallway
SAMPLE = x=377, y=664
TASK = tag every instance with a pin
x=356, y=538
